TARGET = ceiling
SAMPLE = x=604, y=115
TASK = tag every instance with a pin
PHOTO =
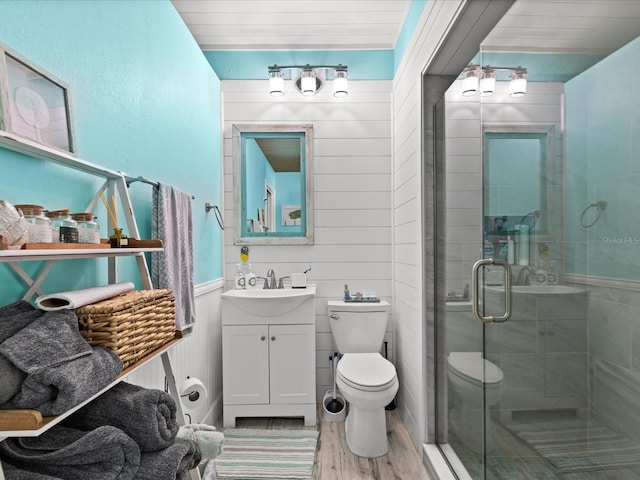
x=558, y=26
x=294, y=24
x=596, y=27
x=566, y=26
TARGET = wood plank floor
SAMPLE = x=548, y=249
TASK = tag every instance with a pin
x=334, y=461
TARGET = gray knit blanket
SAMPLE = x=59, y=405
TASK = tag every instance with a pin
x=56, y=366
x=171, y=463
x=13, y=473
x=148, y=416
x=105, y=453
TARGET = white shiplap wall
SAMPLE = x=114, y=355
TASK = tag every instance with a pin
x=408, y=288
x=352, y=194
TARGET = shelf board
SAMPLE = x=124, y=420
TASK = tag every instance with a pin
x=55, y=254
x=29, y=423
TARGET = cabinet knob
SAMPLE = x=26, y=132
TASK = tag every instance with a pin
x=273, y=338
x=263, y=338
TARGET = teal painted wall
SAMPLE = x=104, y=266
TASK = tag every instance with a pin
x=410, y=22
x=603, y=163
x=144, y=101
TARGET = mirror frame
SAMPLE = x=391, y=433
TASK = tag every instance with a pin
x=238, y=161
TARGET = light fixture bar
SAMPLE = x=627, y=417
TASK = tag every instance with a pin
x=483, y=80
x=309, y=82
x=291, y=67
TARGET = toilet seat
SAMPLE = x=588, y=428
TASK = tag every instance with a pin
x=471, y=367
x=368, y=372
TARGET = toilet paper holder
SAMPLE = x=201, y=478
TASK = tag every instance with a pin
x=194, y=391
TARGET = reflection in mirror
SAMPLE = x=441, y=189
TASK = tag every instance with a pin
x=517, y=171
x=273, y=184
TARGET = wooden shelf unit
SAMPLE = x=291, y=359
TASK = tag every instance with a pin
x=115, y=182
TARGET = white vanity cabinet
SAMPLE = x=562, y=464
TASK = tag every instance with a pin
x=268, y=361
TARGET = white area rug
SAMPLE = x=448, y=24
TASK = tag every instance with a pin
x=255, y=454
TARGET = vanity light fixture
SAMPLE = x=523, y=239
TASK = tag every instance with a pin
x=487, y=82
x=276, y=83
x=477, y=79
x=518, y=83
x=309, y=79
x=340, y=83
x=470, y=80
x=308, y=82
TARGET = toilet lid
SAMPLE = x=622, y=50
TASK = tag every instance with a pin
x=472, y=366
x=366, y=371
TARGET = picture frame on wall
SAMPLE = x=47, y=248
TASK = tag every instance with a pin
x=290, y=215
x=35, y=105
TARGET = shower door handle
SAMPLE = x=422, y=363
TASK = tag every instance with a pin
x=476, y=291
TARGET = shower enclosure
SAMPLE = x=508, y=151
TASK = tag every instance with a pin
x=541, y=281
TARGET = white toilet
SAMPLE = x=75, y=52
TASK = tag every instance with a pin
x=468, y=373
x=366, y=379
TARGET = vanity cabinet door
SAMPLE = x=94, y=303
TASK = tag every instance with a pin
x=245, y=352
x=292, y=353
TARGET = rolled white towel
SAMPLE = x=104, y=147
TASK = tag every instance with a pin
x=206, y=437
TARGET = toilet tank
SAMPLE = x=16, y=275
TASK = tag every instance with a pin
x=358, y=327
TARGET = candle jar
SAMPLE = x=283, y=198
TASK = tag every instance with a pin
x=64, y=228
x=39, y=224
x=88, y=228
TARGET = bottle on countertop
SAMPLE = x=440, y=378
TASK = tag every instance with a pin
x=488, y=251
x=240, y=281
x=511, y=249
x=250, y=279
x=347, y=296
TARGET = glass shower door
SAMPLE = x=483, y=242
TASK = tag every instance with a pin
x=547, y=182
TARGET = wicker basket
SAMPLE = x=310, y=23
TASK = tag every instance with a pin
x=131, y=324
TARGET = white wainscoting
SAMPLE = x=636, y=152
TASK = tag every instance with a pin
x=198, y=355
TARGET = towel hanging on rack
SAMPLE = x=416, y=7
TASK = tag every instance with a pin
x=172, y=223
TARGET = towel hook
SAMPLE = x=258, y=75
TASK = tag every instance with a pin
x=208, y=207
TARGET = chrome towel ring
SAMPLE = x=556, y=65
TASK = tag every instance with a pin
x=600, y=206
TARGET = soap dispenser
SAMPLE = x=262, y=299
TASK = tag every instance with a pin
x=240, y=281
x=250, y=279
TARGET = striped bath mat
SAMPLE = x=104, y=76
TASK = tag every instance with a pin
x=267, y=454
x=579, y=445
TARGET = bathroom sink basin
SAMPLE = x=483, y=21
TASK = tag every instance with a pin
x=276, y=303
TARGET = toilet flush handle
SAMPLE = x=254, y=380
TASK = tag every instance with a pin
x=334, y=316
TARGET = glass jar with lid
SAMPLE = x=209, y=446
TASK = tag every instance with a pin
x=64, y=228
x=39, y=224
x=88, y=228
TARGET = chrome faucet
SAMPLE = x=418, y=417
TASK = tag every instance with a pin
x=271, y=277
x=523, y=279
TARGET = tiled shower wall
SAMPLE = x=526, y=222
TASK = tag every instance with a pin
x=603, y=164
x=614, y=353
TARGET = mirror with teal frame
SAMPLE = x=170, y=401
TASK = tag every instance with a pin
x=273, y=184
